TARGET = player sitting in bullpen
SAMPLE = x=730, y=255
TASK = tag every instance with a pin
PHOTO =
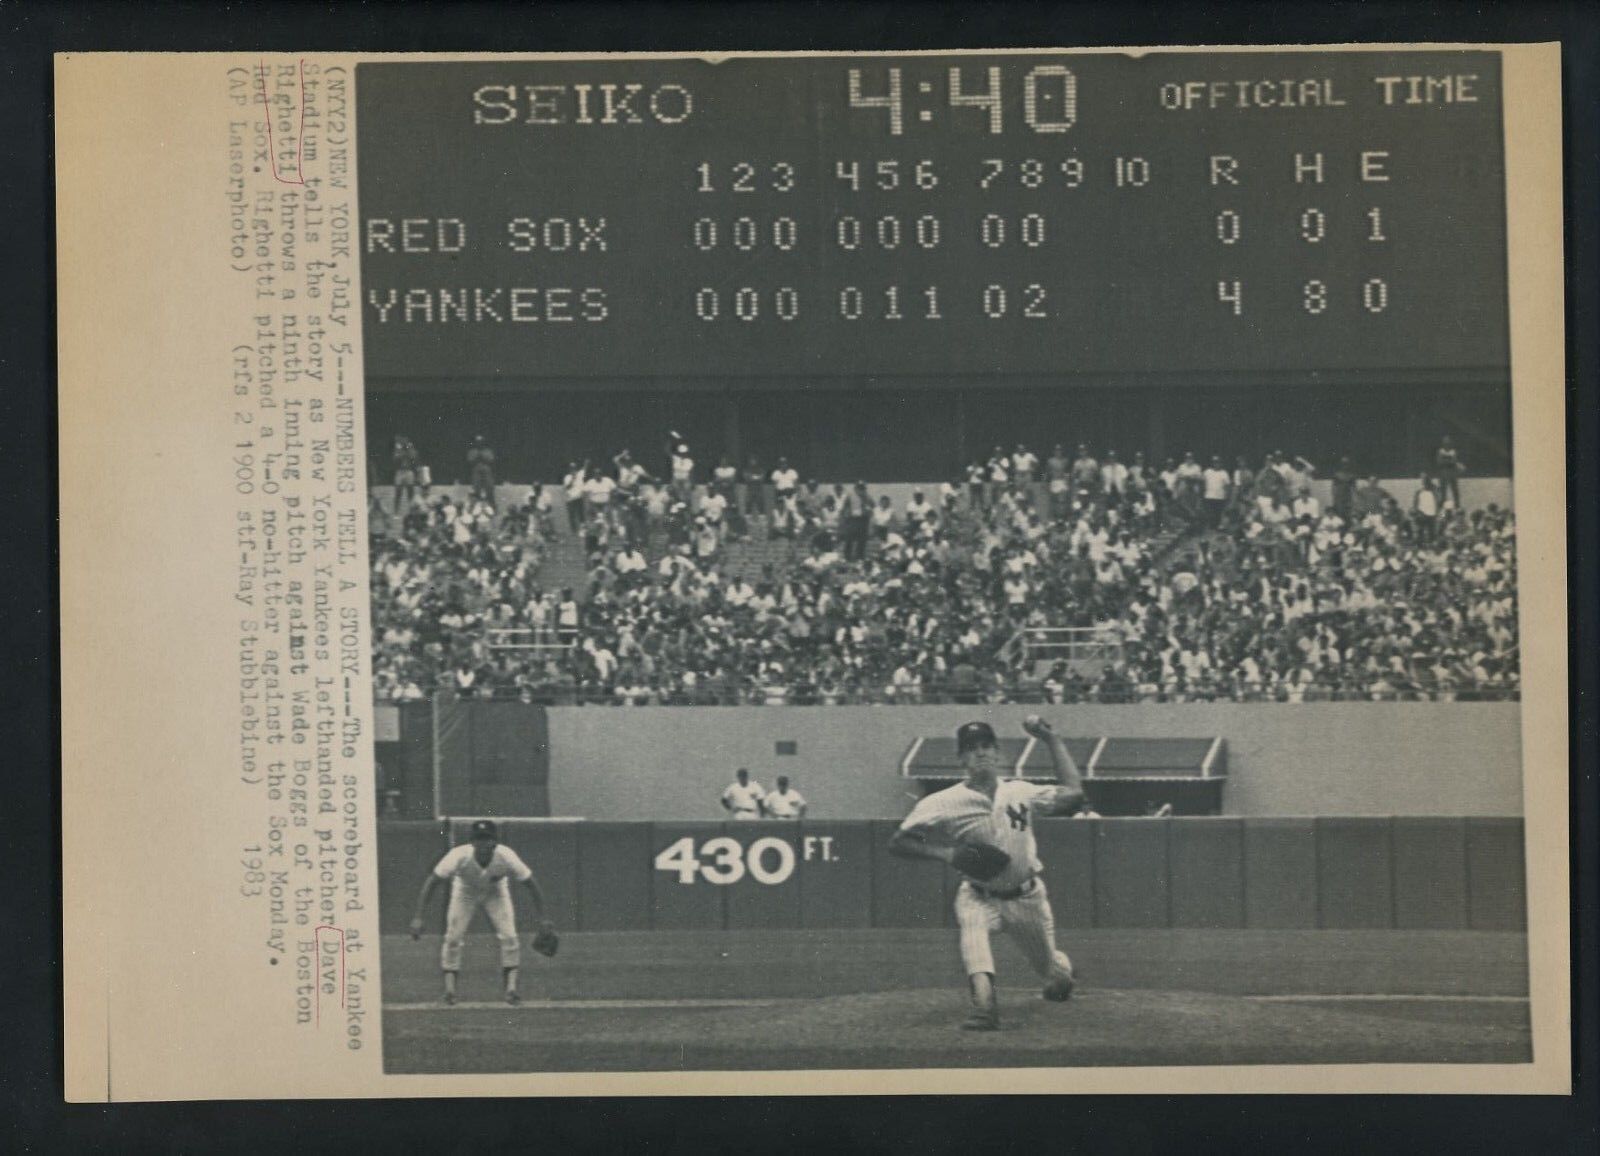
x=478, y=872
x=983, y=827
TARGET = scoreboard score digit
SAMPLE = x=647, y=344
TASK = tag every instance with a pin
x=1166, y=218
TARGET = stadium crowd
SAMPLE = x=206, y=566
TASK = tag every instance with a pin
x=1187, y=581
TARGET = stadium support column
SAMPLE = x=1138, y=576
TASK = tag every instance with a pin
x=962, y=459
x=1418, y=458
x=731, y=444
x=1156, y=403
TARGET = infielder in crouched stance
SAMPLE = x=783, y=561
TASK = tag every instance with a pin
x=983, y=827
x=478, y=872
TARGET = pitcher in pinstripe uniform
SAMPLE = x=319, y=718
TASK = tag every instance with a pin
x=986, y=809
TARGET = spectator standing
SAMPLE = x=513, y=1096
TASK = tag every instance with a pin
x=1024, y=465
x=1344, y=489
x=918, y=510
x=1138, y=475
x=597, y=492
x=1425, y=505
x=882, y=519
x=1243, y=482
x=572, y=488
x=1191, y=478
x=1298, y=473
x=1306, y=505
x=424, y=479
x=1370, y=498
x=714, y=509
x=753, y=497
x=1114, y=475
x=1216, y=485
x=1058, y=465
x=785, y=480
x=630, y=475
x=1448, y=468
x=1085, y=472
x=725, y=479
x=999, y=476
x=1058, y=481
x=683, y=472
x=855, y=522
x=480, y=470
x=405, y=472
x=567, y=618
x=973, y=478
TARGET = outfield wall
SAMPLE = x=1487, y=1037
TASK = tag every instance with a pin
x=671, y=763
x=1334, y=872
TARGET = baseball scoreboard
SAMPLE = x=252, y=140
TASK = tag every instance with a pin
x=1169, y=217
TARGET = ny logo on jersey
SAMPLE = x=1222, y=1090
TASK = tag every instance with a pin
x=1018, y=816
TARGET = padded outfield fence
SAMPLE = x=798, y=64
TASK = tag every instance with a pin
x=1404, y=872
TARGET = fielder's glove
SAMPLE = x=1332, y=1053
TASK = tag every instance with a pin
x=980, y=861
x=546, y=942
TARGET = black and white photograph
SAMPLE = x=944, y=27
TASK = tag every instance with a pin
x=941, y=560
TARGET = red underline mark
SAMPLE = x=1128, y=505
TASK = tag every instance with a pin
x=272, y=153
x=316, y=936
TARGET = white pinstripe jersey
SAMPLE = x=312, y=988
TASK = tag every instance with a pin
x=960, y=814
x=471, y=881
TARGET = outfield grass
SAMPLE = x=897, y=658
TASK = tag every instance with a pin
x=870, y=999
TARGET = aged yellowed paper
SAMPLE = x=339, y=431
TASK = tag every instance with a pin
x=338, y=334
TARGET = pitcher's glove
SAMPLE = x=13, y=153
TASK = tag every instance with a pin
x=980, y=861
x=546, y=942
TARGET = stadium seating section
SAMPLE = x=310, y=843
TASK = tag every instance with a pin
x=1078, y=581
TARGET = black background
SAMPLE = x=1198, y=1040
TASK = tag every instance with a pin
x=1117, y=278
x=32, y=1117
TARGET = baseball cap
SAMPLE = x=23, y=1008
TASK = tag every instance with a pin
x=485, y=829
x=974, y=734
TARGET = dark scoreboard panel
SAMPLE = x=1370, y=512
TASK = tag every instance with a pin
x=1293, y=217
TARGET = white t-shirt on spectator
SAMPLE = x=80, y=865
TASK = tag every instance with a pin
x=1216, y=484
x=785, y=480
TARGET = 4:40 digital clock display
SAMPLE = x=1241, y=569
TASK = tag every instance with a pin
x=1170, y=218
x=1049, y=96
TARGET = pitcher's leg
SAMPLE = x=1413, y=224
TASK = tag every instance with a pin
x=1032, y=924
x=978, y=920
